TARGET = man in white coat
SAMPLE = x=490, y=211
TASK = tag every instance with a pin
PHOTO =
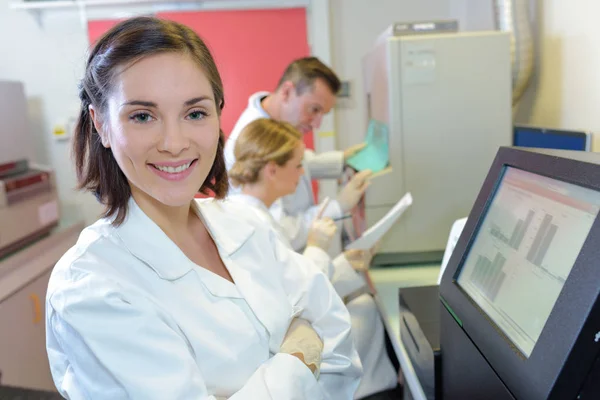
x=305, y=93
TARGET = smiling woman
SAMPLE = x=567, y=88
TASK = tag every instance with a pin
x=158, y=140
x=168, y=297
x=116, y=94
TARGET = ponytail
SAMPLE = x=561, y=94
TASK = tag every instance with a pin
x=246, y=172
x=261, y=141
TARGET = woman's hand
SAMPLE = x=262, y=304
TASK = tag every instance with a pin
x=360, y=260
x=300, y=356
x=321, y=233
x=302, y=341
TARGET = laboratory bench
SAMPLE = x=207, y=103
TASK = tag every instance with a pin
x=24, y=277
x=386, y=283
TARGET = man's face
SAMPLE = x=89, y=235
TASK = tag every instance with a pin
x=306, y=111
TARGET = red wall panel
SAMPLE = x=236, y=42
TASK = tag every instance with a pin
x=251, y=49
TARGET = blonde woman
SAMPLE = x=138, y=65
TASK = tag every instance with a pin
x=268, y=166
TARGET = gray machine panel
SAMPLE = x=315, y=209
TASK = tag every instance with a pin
x=447, y=100
x=15, y=139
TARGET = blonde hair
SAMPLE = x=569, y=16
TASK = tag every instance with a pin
x=261, y=141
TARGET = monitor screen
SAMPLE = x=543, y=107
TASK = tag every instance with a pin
x=525, y=136
x=524, y=250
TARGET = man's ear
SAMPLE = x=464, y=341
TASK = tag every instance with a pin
x=99, y=126
x=287, y=90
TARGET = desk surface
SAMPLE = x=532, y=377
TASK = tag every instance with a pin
x=386, y=282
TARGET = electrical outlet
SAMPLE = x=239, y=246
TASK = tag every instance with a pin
x=344, y=92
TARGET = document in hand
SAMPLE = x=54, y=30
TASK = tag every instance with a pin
x=375, y=233
x=455, y=232
x=375, y=155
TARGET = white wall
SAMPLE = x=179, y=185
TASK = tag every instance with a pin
x=473, y=15
x=48, y=54
x=355, y=26
x=46, y=51
x=48, y=58
x=566, y=91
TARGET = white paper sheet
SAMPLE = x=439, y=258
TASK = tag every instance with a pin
x=377, y=231
x=455, y=232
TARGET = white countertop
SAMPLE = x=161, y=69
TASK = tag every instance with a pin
x=386, y=282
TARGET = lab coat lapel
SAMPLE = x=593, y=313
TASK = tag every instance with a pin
x=245, y=261
x=147, y=242
x=264, y=297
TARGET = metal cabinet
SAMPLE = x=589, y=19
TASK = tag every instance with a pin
x=23, y=360
x=23, y=283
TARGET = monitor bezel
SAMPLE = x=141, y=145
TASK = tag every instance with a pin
x=567, y=340
x=580, y=134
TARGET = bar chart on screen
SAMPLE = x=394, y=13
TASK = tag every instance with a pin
x=488, y=275
x=527, y=243
x=542, y=241
x=518, y=233
x=538, y=243
x=531, y=236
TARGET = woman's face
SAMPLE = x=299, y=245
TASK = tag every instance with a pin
x=287, y=176
x=162, y=127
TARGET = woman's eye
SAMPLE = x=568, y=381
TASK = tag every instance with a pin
x=141, y=118
x=194, y=115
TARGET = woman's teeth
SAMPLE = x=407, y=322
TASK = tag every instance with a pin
x=174, y=170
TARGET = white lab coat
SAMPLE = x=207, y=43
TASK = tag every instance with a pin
x=296, y=212
x=367, y=327
x=130, y=316
x=339, y=271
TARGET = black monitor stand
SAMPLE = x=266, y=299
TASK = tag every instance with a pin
x=465, y=373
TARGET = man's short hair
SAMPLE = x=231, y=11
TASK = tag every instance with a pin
x=304, y=71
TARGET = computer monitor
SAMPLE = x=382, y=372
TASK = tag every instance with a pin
x=531, y=136
x=524, y=279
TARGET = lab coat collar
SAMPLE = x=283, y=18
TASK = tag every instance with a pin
x=254, y=102
x=264, y=213
x=228, y=232
x=243, y=198
x=147, y=242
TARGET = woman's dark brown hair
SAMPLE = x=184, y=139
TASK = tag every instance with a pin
x=125, y=44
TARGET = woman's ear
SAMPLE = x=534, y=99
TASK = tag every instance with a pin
x=270, y=170
x=99, y=126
